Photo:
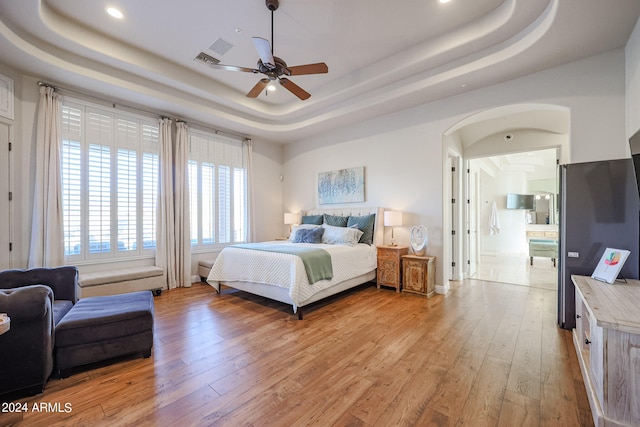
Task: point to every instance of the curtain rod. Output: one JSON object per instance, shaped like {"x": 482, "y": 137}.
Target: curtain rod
{"x": 114, "y": 104}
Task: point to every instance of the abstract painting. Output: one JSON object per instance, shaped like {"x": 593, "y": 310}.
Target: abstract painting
{"x": 341, "y": 186}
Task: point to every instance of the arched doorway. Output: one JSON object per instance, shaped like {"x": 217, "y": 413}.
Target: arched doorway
{"x": 504, "y": 131}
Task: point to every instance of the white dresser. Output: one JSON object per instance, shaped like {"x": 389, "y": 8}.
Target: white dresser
{"x": 607, "y": 341}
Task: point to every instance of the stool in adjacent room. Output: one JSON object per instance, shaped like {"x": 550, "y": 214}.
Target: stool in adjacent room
{"x": 543, "y": 248}
{"x": 104, "y": 327}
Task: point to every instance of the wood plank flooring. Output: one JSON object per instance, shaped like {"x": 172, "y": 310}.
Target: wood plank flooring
{"x": 486, "y": 354}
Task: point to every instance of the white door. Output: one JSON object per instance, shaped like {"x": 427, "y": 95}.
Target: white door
{"x": 5, "y": 189}
{"x": 473, "y": 198}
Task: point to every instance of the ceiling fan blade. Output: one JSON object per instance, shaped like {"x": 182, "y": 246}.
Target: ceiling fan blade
{"x": 264, "y": 51}
{"x": 258, "y": 88}
{"x": 234, "y": 68}
{"x": 299, "y": 70}
{"x": 294, "y": 89}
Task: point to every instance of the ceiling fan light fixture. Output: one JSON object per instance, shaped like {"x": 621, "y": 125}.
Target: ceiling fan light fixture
{"x": 272, "y": 67}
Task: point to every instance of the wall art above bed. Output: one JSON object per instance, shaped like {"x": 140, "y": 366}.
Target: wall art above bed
{"x": 341, "y": 186}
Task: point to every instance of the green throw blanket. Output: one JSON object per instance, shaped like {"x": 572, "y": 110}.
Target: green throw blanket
{"x": 317, "y": 262}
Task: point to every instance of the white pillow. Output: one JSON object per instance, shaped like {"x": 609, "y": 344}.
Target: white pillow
{"x": 300, "y": 227}
{"x": 340, "y": 235}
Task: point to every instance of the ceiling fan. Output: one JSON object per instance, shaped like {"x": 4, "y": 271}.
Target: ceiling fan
{"x": 275, "y": 68}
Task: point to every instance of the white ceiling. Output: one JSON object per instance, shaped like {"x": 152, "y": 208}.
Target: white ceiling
{"x": 536, "y": 165}
{"x": 382, "y": 56}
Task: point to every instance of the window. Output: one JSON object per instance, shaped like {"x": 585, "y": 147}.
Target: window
{"x": 109, "y": 182}
{"x": 217, "y": 190}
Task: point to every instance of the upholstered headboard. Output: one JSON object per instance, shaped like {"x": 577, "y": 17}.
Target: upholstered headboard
{"x": 378, "y": 228}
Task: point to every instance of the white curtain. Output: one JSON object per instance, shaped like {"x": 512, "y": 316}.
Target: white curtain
{"x": 181, "y": 209}
{"x": 248, "y": 160}
{"x": 47, "y": 240}
{"x": 165, "y": 242}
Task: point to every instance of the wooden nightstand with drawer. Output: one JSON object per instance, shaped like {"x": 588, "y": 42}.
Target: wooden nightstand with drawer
{"x": 418, "y": 274}
{"x": 390, "y": 266}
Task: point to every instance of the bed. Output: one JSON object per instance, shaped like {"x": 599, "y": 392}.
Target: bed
{"x": 284, "y": 277}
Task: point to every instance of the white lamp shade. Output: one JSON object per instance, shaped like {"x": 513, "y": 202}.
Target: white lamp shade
{"x": 392, "y": 218}
{"x": 291, "y": 218}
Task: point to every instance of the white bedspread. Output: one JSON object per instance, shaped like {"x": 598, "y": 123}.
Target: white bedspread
{"x": 287, "y": 271}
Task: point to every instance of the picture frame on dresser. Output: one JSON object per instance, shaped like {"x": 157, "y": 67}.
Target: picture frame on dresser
{"x": 610, "y": 264}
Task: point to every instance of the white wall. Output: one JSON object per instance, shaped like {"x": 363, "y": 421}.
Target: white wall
{"x": 632, "y": 81}
{"x": 395, "y": 155}
{"x": 511, "y": 238}
{"x": 403, "y": 153}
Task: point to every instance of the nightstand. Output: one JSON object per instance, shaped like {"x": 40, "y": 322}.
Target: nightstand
{"x": 390, "y": 266}
{"x": 418, "y": 274}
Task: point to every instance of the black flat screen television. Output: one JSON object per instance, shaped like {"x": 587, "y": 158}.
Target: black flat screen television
{"x": 520, "y": 201}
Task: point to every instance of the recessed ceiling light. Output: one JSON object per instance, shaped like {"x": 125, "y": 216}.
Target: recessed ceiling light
{"x": 444, "y": 1}
{"x": 115, "y": 12}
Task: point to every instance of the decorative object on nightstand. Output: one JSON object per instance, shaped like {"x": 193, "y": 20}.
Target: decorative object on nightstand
{"x": 290, "y": 219}
{"x": 418, "y": 274}
{"x": 392, "y": 219}
{"x": 419, "y": 239}
{"x": 390, "y": 266}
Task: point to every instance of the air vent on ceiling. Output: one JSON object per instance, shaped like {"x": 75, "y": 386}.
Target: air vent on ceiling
{"x": 206, "y": 59}
{"x": 221, "y": 46}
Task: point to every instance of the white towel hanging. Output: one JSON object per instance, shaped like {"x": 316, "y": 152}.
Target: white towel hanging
{"x": 494, "y": 221}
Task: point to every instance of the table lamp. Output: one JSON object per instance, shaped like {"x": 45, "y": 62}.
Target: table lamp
{"x": 291, "y": 218}
{"x": 392, "y": 219}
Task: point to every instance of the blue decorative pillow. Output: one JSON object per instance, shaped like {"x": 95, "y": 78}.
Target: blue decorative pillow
{"x": 364, "y": 223}
{"x": 312, "y": 219}
{"x": 309, "y": 235}
{"x": 336, "y": 221}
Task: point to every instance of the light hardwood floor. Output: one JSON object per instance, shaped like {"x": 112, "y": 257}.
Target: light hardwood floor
{"x": 517, "y": 270}
{"x": 486, "y": 354}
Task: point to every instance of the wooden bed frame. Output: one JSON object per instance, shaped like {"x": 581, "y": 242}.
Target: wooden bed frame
{"x": 282, "y": 294}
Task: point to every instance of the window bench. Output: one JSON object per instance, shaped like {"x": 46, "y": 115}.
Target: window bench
{"x": 204, "y": 268}
{"x": 121, "y": 281}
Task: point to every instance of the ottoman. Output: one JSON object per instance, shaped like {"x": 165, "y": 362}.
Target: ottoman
{"x": 103, "y": 327}
{"x": 543, "y": 248}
